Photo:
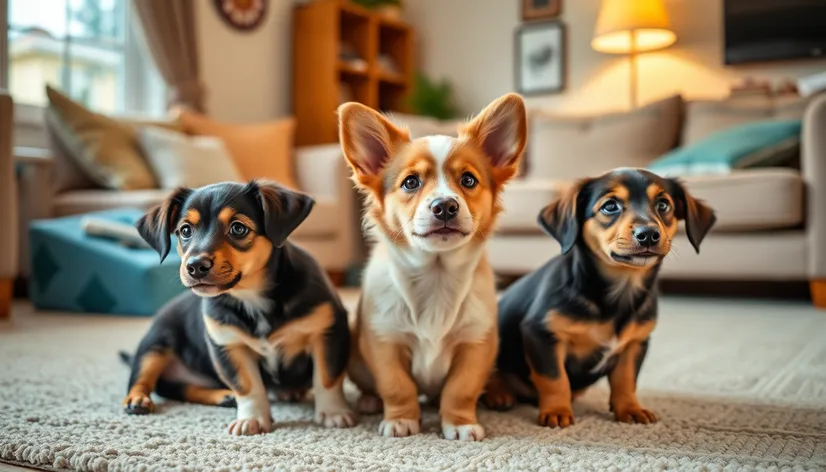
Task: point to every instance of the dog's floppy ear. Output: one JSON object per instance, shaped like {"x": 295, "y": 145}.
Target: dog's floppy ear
{"x": 156, "y": 226}
{"x": 367, "y": 140}
{"x": 561, "y": 217}
{"x": 284, "y": 210}
{"x": 501, "y": 131}
{"x": 699, "y": 218}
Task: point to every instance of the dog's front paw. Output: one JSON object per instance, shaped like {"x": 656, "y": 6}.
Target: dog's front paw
{"x": 250, "y": 426}
{"x": 465, "y": 432}
{"x": 138, "y": 404}
{"x": 499, "y": 400}
{"x": 399, "y": 428}
{"x": 634, "y": 413}
{"x": 560, "y": 416}
{"x": 369, "y": 404}
{"x": 336, "y": 418}
{"x": 291, "y": 396}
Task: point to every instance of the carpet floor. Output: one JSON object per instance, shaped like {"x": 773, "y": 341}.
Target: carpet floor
{"x": 737, "y": 385}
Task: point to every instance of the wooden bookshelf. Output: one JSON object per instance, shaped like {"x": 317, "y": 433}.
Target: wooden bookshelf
{"x": 322, "y": 79}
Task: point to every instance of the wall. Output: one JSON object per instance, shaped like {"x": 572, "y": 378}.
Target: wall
{"x": 247, "y": 75}
{"x": 471, "y": 42}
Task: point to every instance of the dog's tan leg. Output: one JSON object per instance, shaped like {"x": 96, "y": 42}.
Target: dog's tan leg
{"x": 152, "y": 365}
{"x": 470, "y": 369}
{"x": 554, "y": 393}
{"x": 498, "y": 396}
{"x": 238, "y": 367}
{"x": 331, "y": 409}
{"x": 6, "y": 292}
{"x": 209, "y": 396}
{"x": 390, "y": 364}
{"x": 623, "y": 380}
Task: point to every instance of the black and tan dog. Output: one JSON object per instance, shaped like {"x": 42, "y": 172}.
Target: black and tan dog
{"x": 589, "y": 312}
{"x": 260, "y": 317}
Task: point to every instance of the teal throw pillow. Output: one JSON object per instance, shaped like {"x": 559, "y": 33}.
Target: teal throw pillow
{"x": 758, "y": 144}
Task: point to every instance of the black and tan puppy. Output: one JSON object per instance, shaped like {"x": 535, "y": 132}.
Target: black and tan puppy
{"x": 261, "y": 316}
{"x": 589, "y": 312}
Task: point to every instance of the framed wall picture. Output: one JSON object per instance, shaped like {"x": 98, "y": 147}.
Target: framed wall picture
{"x": 540, "y": 59}
{"x": 539, "y": 9}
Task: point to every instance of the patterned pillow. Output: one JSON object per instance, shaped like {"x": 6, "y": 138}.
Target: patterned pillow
{"x": 105, "y": 149}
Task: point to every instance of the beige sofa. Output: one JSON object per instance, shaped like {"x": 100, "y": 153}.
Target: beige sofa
{"x": 8, "y": 207}
{"x": 330, "y": 233}
{"x": 771, "y": 221}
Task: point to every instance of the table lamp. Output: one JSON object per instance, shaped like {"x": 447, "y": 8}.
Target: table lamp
{"x": 631, "y": 27}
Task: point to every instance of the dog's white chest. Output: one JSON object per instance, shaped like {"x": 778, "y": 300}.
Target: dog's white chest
{"x": 432, "y": 315}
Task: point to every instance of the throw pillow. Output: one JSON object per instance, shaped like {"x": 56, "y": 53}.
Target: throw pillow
{"x": 704, "y": 118}
{"x": 261, "y": 150}
{"x": 573, "y": 147}
{"x": 105, "y": 149}
{"x": 179, "y": 160}
{"x": 758, "y": 144}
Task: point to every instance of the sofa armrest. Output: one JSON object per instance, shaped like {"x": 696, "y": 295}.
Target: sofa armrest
{"x": 813, "y": 165}
{"x": 8, "y": 198}
{"x": 321, "y": 170}
{"x": 35, "y": 191}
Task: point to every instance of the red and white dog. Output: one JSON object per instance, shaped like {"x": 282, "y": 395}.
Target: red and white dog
{"x": 426, "y": 321}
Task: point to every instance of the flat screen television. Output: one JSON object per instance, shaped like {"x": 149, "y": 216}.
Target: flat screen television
{"x": 770, "y": 30}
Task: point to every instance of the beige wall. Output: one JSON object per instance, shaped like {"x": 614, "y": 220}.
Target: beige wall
{"x": 471, "y": 42}
{"x": 247, "y": 75}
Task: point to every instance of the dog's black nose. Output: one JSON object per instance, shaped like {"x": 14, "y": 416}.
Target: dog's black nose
{"x": 198, "y": 266}
{"x": 445, "y": 208}
{"x": 647, "y": 236}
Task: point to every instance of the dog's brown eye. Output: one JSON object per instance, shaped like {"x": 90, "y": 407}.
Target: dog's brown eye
{"x": 468, "y": 180}
{"x": 663, "y": 206}
{"x": 611, "y": 207}
{"x": 238, "y": 230}
{"x": 411, "y": 183}
{"x": 185, "y": 231}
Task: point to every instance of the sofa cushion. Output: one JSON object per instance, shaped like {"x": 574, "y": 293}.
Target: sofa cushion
{"x": 523, "y": 199}
{"x": 322, "y": 222}
{"x": 260, "y": 150}
{"x": 751, "y": 200}
{"x": 747, "y": 200}
{"x": 104, "y": 148}
{"x": 568, "y": 148}
{"x": 179, "y": 160}
{"x": 703, "y": 118}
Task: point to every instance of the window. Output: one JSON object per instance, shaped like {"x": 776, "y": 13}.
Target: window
{"x": 87, "y": 48}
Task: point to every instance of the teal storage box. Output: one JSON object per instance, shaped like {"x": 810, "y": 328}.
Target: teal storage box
{"x": 72, "y": 271}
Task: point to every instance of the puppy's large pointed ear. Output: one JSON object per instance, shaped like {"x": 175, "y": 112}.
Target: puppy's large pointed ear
{"x": 699, "y": 218}
{"x": 561, "y": 218}
{"x": 367, "y": 140}
{"x": 501, "y": 131}
{"x": 284, "y": 210}
{"x": 156, "y": 226}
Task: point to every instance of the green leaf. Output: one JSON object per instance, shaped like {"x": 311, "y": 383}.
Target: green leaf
{"x": 429, "y": 98}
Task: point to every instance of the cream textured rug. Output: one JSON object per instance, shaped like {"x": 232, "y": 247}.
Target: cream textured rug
{"x": 737, "y": 385}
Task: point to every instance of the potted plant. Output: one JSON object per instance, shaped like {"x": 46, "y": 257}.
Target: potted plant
{"x": 431, "y": 98}
{"x": 388, "y": 8}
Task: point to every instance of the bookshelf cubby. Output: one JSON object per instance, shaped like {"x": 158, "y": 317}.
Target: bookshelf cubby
{"x": 343, "y": 52}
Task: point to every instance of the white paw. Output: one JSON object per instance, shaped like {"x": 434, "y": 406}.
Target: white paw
{"x": 250, "y": 426}
{"x": 336, "y": 418}
{"x": 465, "y": 432}
{"x": 399, "y": 428}
{"x": 369, "y": 404}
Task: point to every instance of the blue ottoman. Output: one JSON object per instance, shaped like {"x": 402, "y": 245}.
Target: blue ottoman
{"x": 72, "y": 271}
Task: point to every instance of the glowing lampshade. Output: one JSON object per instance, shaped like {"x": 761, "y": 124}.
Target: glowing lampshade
{"x": 632, "y": 26}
